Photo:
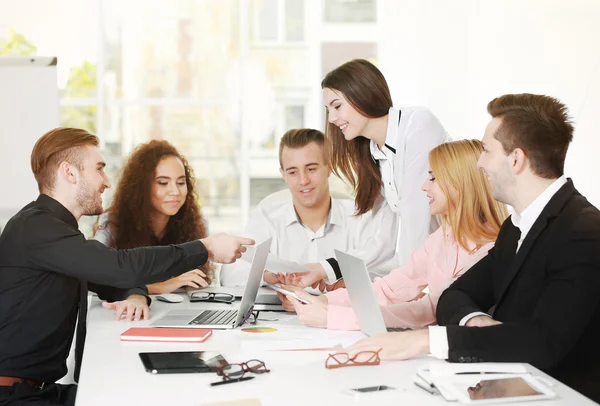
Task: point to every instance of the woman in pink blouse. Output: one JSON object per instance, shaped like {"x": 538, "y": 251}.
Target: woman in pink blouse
{"x": 460, "y": 193}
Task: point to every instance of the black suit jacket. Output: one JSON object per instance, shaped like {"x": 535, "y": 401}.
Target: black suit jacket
{"x": 547, "y": 295}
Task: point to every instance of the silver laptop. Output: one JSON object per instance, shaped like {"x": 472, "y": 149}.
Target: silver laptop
{"x": 223, "y": 319}
{"x": 362, "y": 297}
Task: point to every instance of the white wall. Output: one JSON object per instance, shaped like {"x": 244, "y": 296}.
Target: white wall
{"x": 28, "y": 108}
{"x": 455, "y": 56}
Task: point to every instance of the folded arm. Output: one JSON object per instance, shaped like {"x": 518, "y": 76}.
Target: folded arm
{"x": 571, "y": 294}
{"x": 471, "y": 293}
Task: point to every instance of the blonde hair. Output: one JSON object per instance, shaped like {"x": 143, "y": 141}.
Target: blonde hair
{"x": 473, "y": 214}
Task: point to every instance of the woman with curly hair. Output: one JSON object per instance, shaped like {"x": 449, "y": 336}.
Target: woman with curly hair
{"x": 155, "y": 204}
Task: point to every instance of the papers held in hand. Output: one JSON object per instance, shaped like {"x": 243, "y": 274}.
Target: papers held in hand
{"x": 274, "y": 263}
{"x": 286, "y": 292}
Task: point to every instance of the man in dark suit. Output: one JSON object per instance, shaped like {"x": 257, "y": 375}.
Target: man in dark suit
{"x": 535, "y": 297}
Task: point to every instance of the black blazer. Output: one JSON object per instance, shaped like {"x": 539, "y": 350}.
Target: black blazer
{"x": 547, "y": 295}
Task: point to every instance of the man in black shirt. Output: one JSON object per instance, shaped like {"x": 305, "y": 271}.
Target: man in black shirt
{"x": 47, "y": 265}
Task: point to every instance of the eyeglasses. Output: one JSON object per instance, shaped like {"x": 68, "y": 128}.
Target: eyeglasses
{"x": 341, "y": 359}
{"x": 235, "y": 372}
{"x": 212, "y": 297}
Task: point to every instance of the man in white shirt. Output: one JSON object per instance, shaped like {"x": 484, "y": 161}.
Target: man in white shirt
{"x": 307, "y": 228}
{"x": 536, "y": 296}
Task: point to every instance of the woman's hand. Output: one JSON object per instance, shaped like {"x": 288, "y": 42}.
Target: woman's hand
{"x": 313, "y": 314}
{"x": 194, "y": 278}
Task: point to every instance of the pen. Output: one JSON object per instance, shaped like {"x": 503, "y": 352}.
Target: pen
{"x": 431, "y": 389}
{"x": 244, "y": 378}
{"x": 481, "y": 373}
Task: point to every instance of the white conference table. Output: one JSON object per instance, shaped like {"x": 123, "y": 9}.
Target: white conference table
{"x": 112, "y": 373}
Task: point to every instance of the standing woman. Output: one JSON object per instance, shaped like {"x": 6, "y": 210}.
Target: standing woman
{"x": 155, "y": 204}
{"x": 380, "y": 149}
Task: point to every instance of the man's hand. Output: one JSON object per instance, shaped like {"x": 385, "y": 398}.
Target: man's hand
{"x": 194, "y": 278}
{"x": 312, "y": 277}
{"x": 135, "y": 307}
{"x": 482, "y": 321}
{"x": 224, "y": 248}
{"x": 394, "y": 346}
{"x": 272, "y": 278}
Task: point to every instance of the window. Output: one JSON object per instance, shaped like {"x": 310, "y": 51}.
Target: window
{"x": 278, "y": 22}
{"x": 137, "y": 70}
{"x": 350, "y": 11}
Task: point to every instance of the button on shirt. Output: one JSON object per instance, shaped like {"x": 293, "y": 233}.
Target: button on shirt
{"x": 404, "y": 165}
{"x": 370, "y": 237}
{"x": 44, "y": 259}
{"x": 438, "y": 339}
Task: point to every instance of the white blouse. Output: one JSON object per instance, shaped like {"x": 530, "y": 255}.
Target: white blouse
{"x": 404, "y": 163}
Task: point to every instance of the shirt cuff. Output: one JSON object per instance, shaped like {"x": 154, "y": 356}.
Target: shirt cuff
{"x": 438, "y": 342}
{"x": 336, "y": 268}
{"x": 464, "y": 320}
{"x": 328, "y": 271}
{"x": 341, "y": 318}
{"x": 142, "y": 290}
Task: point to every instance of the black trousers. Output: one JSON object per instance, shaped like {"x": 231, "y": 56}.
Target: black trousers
{"x": 53, "y": 394}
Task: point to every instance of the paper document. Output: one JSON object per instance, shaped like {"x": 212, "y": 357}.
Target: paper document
{"x": 276, "y": 264}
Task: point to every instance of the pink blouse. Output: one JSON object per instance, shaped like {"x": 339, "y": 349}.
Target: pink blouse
{"x": 437, "y": 263}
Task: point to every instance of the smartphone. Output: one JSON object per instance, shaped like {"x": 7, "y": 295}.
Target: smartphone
{"x": 368, "y": 390}
{"x": 286, "y": 292}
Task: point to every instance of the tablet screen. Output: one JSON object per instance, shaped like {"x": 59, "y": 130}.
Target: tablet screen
{"x": 501, "y": 388}
{"x": 190, "y": 361}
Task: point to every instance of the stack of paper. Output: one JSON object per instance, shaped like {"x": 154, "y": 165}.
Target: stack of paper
{"x": 483, "y": 382}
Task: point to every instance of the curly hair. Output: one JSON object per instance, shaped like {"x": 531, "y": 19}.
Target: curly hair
{"x": 128, "y": 217}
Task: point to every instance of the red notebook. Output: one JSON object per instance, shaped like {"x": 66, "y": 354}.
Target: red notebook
{"x": 183, "y": 335}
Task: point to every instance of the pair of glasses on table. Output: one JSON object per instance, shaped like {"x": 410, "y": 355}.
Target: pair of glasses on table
{"x": 212, "y": 297}
{"x": 363, "y": 358}
{"x": 235, "y": 372}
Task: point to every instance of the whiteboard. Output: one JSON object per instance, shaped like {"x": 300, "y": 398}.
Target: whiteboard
{"x": 28, "y": 109}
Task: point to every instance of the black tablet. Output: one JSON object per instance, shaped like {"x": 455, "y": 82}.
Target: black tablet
{"x": 182, "y": 362}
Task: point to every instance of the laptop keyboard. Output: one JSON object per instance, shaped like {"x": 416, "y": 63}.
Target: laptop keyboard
{"x": 215, "y": 317}
{"x": 392, "y": 329}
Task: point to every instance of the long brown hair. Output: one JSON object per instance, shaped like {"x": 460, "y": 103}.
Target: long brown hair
{"x": 473, "y": 213}
{"x": 365, "y": 88}
{"x": 129, "y": 214}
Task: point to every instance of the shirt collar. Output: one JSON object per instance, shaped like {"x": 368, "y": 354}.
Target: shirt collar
{"x": 334, "y": 217}
{"x": 525, "y": 220}
{"x": 291, "y": 216}
{"x": 58, "y": 210}
{"x": 390, "y": 138}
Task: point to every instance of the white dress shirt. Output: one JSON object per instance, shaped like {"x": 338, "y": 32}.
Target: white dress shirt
{"x": 370, "y": 237}
{"x": 438, "y": 339}
{"x": 404, "y": 163}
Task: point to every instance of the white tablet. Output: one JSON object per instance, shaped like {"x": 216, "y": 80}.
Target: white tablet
{"x": 502, "y": 388}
